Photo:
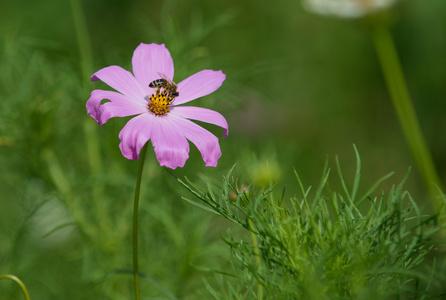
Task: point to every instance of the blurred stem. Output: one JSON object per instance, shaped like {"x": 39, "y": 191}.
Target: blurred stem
{"x": 19, "y": 282}
{"x": 257, "y": 257}
{"x": 396, "y": 84}
{"x": 91, "y": 136}
{"x": 142, "y": 156}
{"x": 83, "y": 41}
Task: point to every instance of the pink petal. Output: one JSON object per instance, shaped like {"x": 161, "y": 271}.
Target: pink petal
{"x": 171, "y": 148}
{"x": 198, "y": 85}
{"x": 120, "y": 106}
{"x": 203, "y": 115}
{"x": 206, "y": 142}
{"x": 135, "y": 134}
{"x": 150, "y": 59}
{"x": 121, "y": 80}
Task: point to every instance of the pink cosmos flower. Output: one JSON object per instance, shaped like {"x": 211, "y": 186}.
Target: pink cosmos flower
{"x": 159, "y": 116}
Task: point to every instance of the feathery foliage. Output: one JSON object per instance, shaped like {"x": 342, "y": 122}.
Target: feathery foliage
{"x": 325, "y": 244}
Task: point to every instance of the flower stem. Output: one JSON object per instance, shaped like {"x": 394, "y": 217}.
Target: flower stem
{"x": 142, "y": 156}
{"x": 19, "y": 282}
{"x": 396, "y": 84}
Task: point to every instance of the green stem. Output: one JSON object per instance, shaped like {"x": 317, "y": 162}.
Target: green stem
{"x": 406, "y": 113}
{"x": 19, "y": 282}
{"x": 142, "y": 156}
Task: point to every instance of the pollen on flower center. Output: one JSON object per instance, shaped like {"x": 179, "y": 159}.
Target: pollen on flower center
{"x": 159, "y": 103}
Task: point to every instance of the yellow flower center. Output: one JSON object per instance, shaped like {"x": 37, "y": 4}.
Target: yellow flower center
{"x": 159, "y": 103}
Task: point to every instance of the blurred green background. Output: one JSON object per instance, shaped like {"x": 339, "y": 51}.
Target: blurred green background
{"x": 300, "y": 87}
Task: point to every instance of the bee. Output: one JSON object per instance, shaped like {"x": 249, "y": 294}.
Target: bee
{"x": 168, "y": 85}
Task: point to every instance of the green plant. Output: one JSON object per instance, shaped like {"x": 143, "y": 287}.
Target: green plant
{"x": 325, "y": 244}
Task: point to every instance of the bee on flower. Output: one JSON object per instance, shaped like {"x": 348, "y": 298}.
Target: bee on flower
{"x": 156, "y": 101}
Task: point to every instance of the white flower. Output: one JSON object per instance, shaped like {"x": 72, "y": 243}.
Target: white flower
{"x": 347, "y": 8}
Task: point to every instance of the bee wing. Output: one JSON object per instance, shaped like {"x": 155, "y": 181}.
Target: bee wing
{"x": 163, "y": 76}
